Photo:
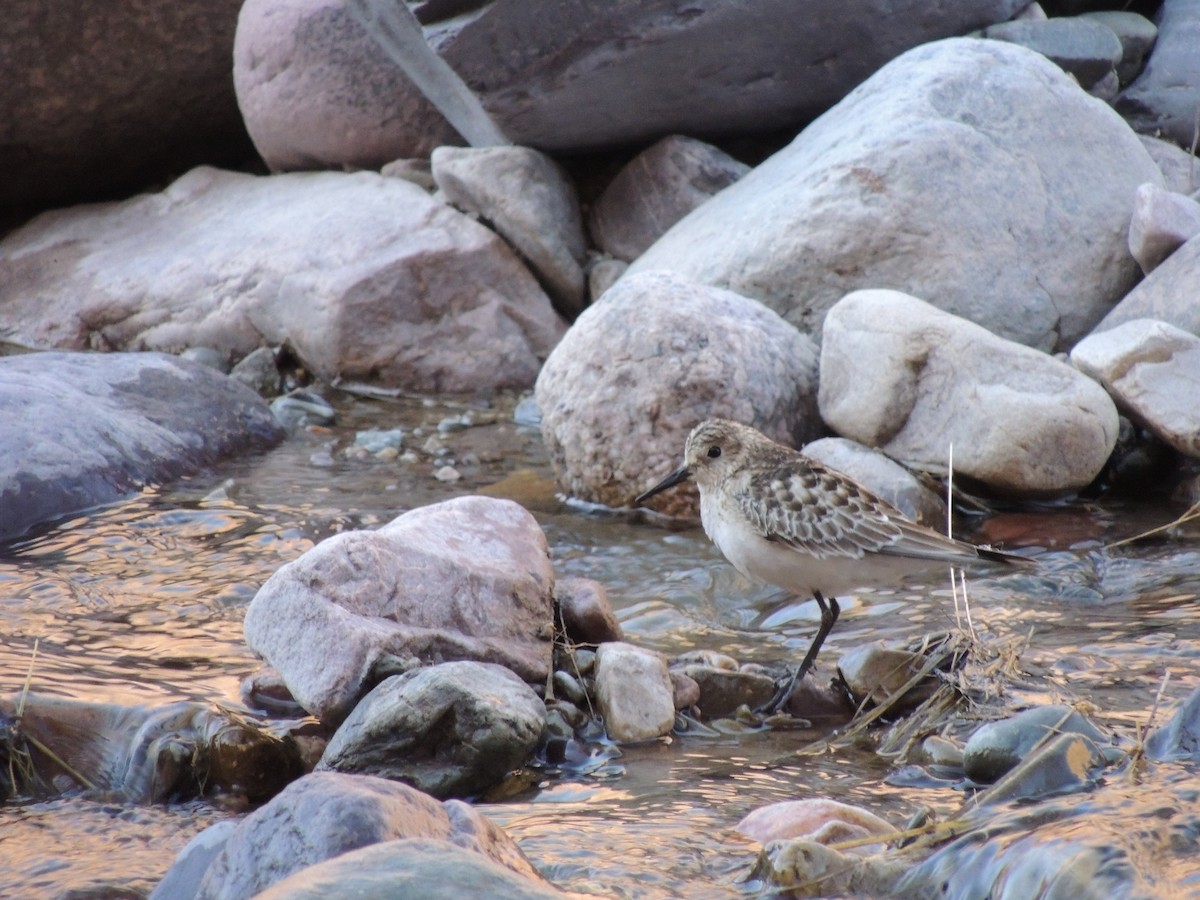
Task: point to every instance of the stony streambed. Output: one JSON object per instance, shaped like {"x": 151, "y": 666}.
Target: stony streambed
{"x": 142, "y": 602}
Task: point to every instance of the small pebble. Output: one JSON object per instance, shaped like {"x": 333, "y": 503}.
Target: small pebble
{"x": 447, "y": 473}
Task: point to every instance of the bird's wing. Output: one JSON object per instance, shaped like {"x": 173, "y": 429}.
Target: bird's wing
{"x": 826, "y": 514}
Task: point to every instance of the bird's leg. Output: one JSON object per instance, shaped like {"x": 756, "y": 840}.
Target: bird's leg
{"x": 829, "y": 615}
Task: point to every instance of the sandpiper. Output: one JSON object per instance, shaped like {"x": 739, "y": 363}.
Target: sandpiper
{"x": 786, "y": 519}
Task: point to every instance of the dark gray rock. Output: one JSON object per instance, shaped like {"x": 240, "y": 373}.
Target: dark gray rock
{"x": 1136, "y": 34}
{"x": 1067, "y": 762}
{"x": 450, "y": 730}
{"x": 560, "y": 76}
{"x": 412, "y": 869}
{"x": 1085, "y": 48}
{"x": 1163, "y": 98}
{"x": 103, "y": 100}
{"x": 997, "y": 747}
{"x": 81, "y": 429}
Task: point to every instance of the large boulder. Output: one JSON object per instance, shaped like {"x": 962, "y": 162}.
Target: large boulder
{"x": 654, "y": 357}
{"x": 316, "y": 92}
{"x": 469, "y": 578}
{"x": 104, "y": 99}
{"x": 80, "y": 429}
{"x": 974, "y": 173}
{"x": 365, "y": 276}
{"x": 903, "y": 376}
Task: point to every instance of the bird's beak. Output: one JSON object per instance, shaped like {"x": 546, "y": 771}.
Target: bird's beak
{"x": 683, "y": 473}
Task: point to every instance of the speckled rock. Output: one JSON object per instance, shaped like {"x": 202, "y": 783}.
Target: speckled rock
{"x": 657, "y": 355}
{"x": 1152, "y": 371}
{"x": 898, "y": 374}
{"x": 1020, "y": 226}
{"x": 468, "y": 578}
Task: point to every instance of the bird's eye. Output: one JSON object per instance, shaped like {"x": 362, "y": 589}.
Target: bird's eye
{"x": 714, "y": 452}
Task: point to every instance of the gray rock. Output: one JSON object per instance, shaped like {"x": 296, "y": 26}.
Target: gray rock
{"x": 1163, "y": 221}
{"x": 527, "y": 198}
{"x": 656, "y": 189}
{"x": 97, "y": 106}
{"x": 999, "y": 747}
{"x": 722, "y": 691}
{"x": 1136, "y": 34}
{"x": 1085, "y": 48}
{"x": 410, "y": 869}
{"x": 898, "y": 374}
{"x": 638, "y": 370}
{"x": 1152, "y": 371}
{"x": 364, "y": 276}
{"x": 81, "y": 429}
{"x": 450, "y": 730}
{"x": 259, "y": 372}
{"x": 587, "y": 615}
{"x": 207, "y": 356}
{"x": 559, "y": 76}
{"x": 882, "y": 476}
{"x": 1167, "y": 294}
{"x": 635, "y": 693}
{"x": 1180, "y": 170}
{"x": 182, "y": 880}
{"x": 326, "y": 814}
{"x": 975, "y": 173}
{"x": 1067, "y": 762}
{"x": 1162, "y": 101}
{"x": 469, "y": 578}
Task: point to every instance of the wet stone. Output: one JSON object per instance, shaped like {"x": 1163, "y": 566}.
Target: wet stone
{"x": 587, "y": 615}
{"x": 878, "y": 672}
{"x": 723, "y": 691}
{"x": 634, "y": 692}
{"x": 450, "y": 730}
{"x": 997, "y": 747}
{"x": 1066, "y": 763}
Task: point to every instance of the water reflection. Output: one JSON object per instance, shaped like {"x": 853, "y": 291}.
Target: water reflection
{"x": 142, "y": 602}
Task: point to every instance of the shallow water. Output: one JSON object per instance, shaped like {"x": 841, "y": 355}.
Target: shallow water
{"x": 141, "y": 602}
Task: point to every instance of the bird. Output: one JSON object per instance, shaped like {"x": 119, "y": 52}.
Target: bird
{"x": 784, "y": 518}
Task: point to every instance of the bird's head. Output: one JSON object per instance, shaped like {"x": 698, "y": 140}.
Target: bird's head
{"x": 712, "y": 451}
